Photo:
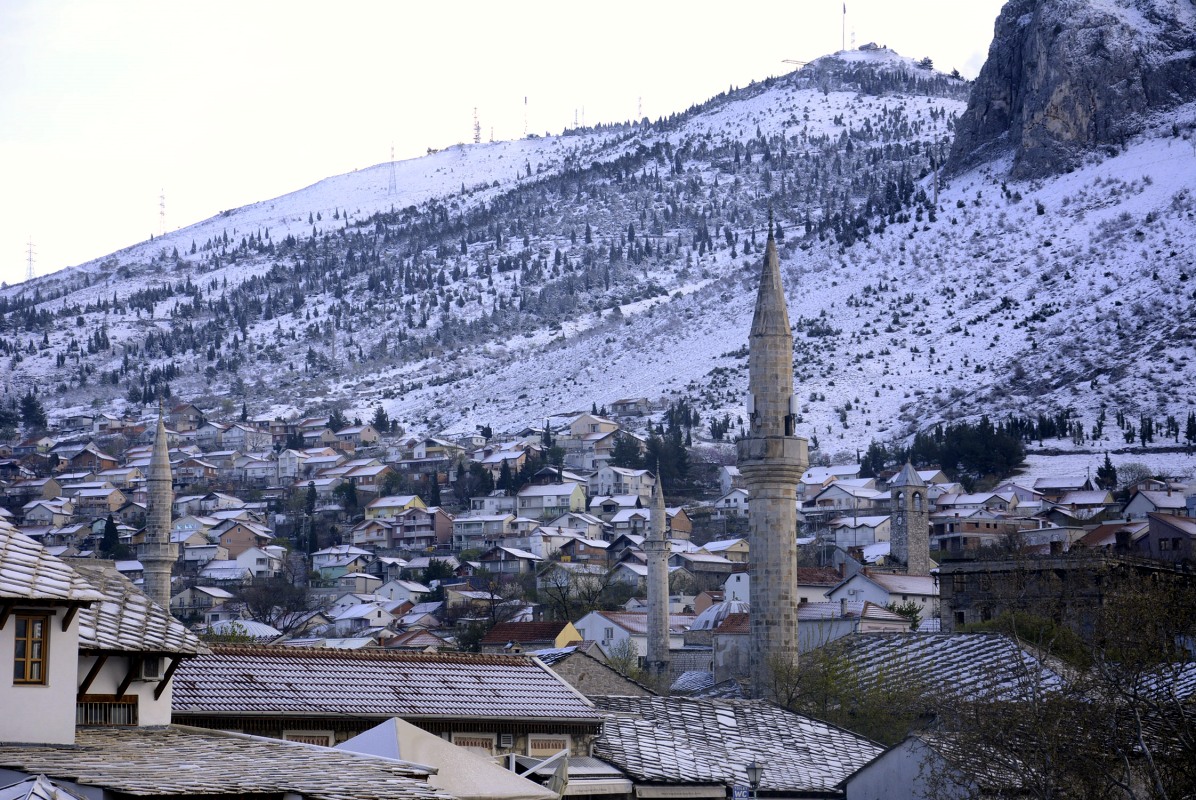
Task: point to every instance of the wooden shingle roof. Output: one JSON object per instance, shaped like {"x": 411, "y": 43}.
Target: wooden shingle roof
{"x": 372, "y": 683}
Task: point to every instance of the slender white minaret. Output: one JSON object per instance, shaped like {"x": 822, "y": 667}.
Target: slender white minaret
{"x": 156, "y": 553}
{"x": 656, "y": 548}
{"x": 772, "y": 460}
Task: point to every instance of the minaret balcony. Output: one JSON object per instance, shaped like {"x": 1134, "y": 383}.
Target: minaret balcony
{"x": 774, "y": 449}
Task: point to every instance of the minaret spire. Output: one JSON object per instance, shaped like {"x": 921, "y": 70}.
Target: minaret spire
{"x": 156, "y": 552}
{"x": 772, "y": 460}
{"x": 656, "y": 549}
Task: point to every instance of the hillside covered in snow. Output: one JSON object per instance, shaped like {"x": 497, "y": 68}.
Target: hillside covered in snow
{"x": 497, "y": 284}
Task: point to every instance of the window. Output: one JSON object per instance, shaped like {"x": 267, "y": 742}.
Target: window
{"x": 959, "y": 618}
{"x": 322, "y": 738}
{"x": 482, "y": 742}
{"x": 106, "y": 710}
{"x": 32, "y": 649}
{"x": 608, "y": 634}
{"x": 959, "y": 583}
{"x": 541, "y": 746}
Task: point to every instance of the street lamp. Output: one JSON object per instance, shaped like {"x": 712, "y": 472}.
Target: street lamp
{"x": 754, "y": 771}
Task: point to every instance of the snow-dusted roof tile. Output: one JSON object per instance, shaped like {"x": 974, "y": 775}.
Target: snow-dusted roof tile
{"x": 28, "y": 572}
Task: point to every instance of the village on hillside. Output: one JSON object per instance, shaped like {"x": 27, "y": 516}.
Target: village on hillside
{"x": 526, "y": 611}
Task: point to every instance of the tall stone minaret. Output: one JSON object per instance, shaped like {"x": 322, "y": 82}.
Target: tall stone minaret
{"x": 656, "y": 548}
{"x": 157, "y": 554}
{"x": 909, "y": 526}
{"x": 772, "y": 460}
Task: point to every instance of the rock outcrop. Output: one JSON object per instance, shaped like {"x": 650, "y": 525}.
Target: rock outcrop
{"x": 1065, "y": 76}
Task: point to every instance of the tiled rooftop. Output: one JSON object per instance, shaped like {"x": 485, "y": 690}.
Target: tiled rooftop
{"x": 685, "y": 740}
{"x": 266, "y": 680}
{"x": 126, "y": 620}
{"x": 972, "y": 665}
{"x": 28, "y": 572}
{"x": 179, "y": 762}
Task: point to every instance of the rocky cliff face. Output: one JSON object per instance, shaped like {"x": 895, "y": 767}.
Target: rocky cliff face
{"x": 1064, "y": 76}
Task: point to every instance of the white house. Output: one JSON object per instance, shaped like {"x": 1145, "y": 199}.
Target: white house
{"x": 611, "y": 628}
{"x": 733, "y": 504}
{"x": 882, "y": 588}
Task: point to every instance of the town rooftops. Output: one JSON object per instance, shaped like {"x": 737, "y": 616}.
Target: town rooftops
{"x": 28, "y": 572}
{"x": 127, "y": 620}
{"x": 679, "y": 740}
{"x": 523, "y": 632}
{"x": 976, "y": 666}
{"x": 251, "y": 681}
{"x": 146, "y": 762}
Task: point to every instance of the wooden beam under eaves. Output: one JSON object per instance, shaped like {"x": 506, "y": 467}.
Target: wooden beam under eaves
{"x": 92, "y": 673}
{"x": 161, "y": 687}
{"x": 134, "y": 668}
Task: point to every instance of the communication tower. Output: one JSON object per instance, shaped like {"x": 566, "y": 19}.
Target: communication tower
{"x": 162, "y": 213}
{"x": 393, "y": 186}
{"x": 477, "y": 127}
{"x": 29, "y": 254}
{"x": 525, "y": 116}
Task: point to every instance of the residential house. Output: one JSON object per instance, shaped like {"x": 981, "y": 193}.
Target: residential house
{"x": 734, "y": 550}
{"x": 237, "y": 536}
{"x": 509, "y": 561}
{"x": 185, "y": 417}
{"x": 612, "y": 628}
{"x": 732, "y": 504}
{"x": 729, "y": 478}
{"x": 857, "y": 531}
{"x": 400, "y": 591}
{"x": 262, "y": 562}
{"x": 883, "y": 588}
{"x": 392, "y": 505}
{"x": 1147, "y": 502}
{"x": 195, "y": 602}
{"x": 369, "y": 478}
{"x": 608, "y": 480}
{"x": 631, "y": 407}
{"x": 1168, "y": 538}
{"x": 551, "y": 500}
{"x": 515, "y": 637}
{"x": 475, "y": 530}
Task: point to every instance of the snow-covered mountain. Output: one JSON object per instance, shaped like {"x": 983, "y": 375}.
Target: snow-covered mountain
{"x": 502, "y": 283}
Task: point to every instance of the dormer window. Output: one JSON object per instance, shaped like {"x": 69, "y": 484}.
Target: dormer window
{"x": 32, "y": 649}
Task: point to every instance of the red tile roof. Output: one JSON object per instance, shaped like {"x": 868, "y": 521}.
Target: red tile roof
{"x": 522, "y": 632}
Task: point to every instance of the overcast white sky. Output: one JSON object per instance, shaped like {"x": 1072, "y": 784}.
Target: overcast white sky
{"x": 103, "y": 106}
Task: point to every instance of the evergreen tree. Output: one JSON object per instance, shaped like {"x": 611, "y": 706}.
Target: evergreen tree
{"x": 111, "y": 539}
{"x": 337, "y": 420}
{"x": 32, "y": 413}
{"x": 1190, "y": 428}
{"x": 1106, "y": 475}
{"x": 381, "y": 420}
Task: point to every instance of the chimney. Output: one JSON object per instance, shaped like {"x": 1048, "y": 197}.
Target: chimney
{"x": 843, "y": 607}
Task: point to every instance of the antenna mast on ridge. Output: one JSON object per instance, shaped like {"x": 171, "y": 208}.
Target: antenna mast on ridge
{"x": 162, "y": 213}
{"x": 525, "y": 116}
{"x": 477, "y": 127}
{"x": 393, "y": 186}
{"x": 29, "y": 253}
